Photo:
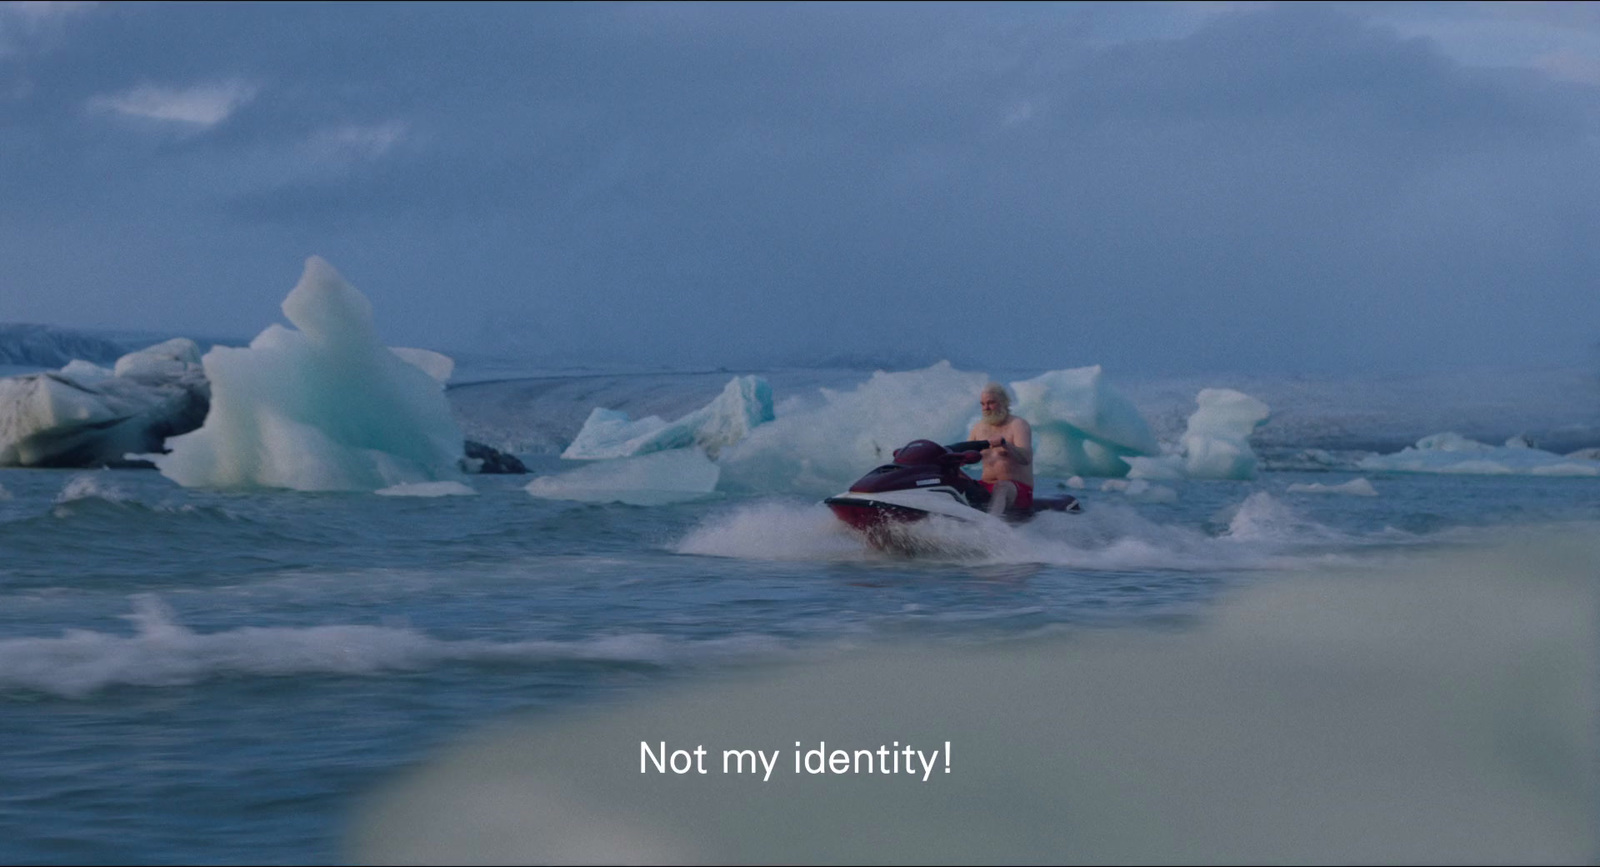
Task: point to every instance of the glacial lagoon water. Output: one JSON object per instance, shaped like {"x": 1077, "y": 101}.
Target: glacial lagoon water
{"x": 205, "y": 676}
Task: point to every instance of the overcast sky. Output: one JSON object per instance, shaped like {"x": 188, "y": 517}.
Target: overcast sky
{"x": 1152, "y": 187}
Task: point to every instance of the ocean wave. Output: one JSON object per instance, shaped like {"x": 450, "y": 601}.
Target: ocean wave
{"x": 162, "y": 652}
{"x": 96, "y": 498}
{"x": 89, "y": 486}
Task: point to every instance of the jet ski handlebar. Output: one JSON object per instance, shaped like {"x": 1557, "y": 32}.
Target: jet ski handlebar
{"x": 969, "y": 452}
{"x": 928, "y": 452}
{"x": 971, "y": 446}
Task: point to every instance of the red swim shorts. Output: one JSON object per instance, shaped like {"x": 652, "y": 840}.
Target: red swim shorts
{"x": 1024, "y": 494}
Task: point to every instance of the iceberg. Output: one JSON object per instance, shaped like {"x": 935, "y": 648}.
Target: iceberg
{"x": 818, "y": 445}
{"x": 86, "y": 372}
{"x": 654, "y": 479}
{"x": 1216, "y": 444}
{"x": 326, "y": 407}
{"x": 85, "y": 415}
{"x": 745, "y": 402}
{"x": 1450, "y": 452}
{"x": 1081, "y": 426}
{"x": 173, "y": 360}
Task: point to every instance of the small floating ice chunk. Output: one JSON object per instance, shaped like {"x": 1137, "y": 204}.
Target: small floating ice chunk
{"x": 654, "y": 479}
{"x": 1140, "y": 490}
{"x": 1359, "y": 487}
{"x": 745, "y": 403}
{"x": 1454, "y": 454}
{"x": 1216, "y": 444}
{"x": 428, "y": 489}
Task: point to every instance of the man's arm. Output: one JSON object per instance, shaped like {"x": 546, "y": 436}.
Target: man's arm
{"x": 1021, "y": 442}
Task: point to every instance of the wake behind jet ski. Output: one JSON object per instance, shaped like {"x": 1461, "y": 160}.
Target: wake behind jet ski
{"x": 925, "y": 479}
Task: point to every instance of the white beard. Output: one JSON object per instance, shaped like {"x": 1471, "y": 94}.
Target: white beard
{"x": 996, "y": 418}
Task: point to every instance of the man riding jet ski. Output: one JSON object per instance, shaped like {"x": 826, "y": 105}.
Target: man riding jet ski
{"x": 925, "y": 479}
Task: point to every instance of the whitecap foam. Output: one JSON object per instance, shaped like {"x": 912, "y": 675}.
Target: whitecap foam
{"x": 789, "y": 531}
{"x": 88, "y": 486}
{"x": 774, "y": 531}
{"x": 1117, "y": 538}
{"x": 1262, "y": 518}
{"x": 163, "y": 653}
{"x": 1107, "y": 537}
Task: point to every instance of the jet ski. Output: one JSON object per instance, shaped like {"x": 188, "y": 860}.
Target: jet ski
{"x": 923, "y": 479}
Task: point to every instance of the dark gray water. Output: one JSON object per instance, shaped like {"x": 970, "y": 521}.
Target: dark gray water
{"x": 191, "y": 676}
